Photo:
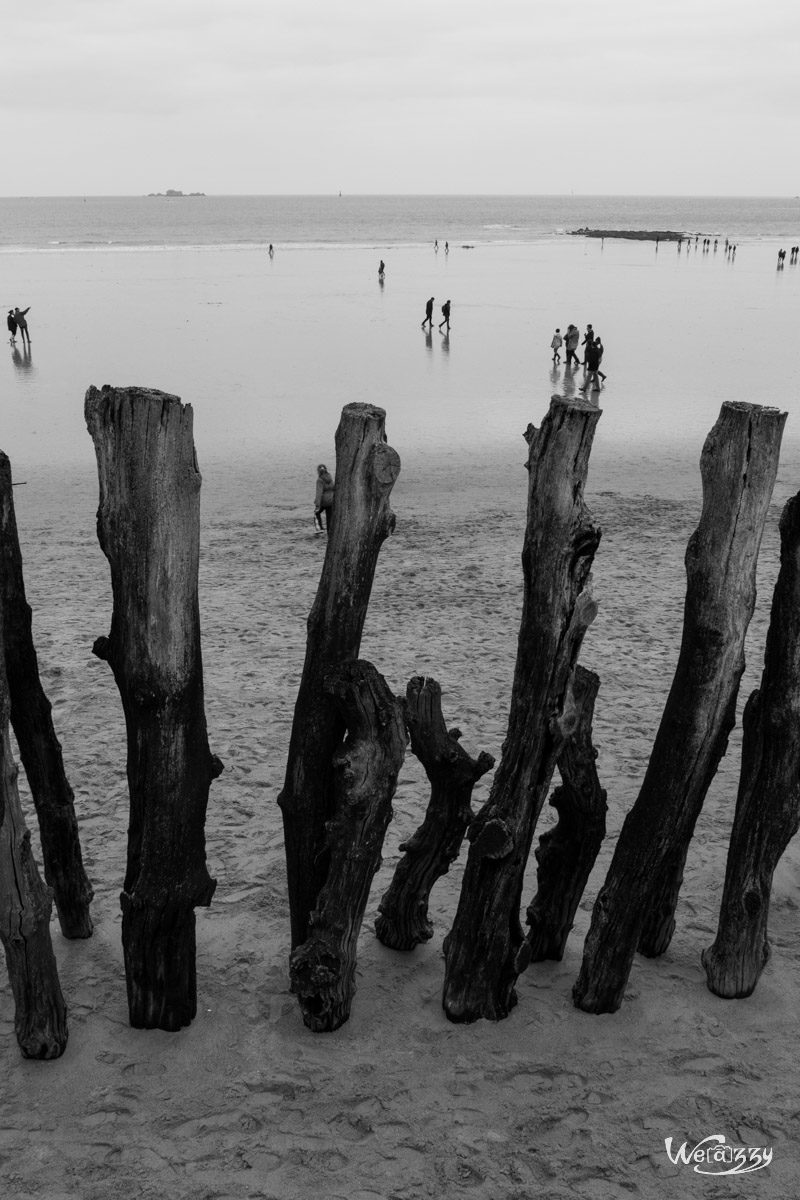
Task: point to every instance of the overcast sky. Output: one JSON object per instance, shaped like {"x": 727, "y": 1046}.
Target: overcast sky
{"x": 695, "y": 97}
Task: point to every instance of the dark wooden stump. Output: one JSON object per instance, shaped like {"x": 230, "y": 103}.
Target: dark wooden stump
{"x": 768, "y": 804}
{"x": 567, "y": 853}
{"x": 636, "y": 904}
{"x": 485, "y": 950}
{"x": 403, "y": 921}
{"x": 366, "y": 469}
{"x": 40, "y": 1016}
{"x": 365, "y": 776}
{"x": 148, "y": 524}
{"x": 39, "y": 748}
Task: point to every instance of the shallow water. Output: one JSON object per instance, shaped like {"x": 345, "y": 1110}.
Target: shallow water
{"x": 267, "y": 352}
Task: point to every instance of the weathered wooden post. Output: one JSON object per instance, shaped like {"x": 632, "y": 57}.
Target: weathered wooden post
{"x": 567, "y": 852}
{"x": 486, "y": 950}
{"x": 768, "y": 804}
{"x": 39, "y": 747}
{"x": 40, "y": 1016}
{"x": 148, "y": 524}
{"x": 366, "y": 469}
{"x": 403, "y": 921}
{"x": 365, "y": 769}
{"x": 636, "y": 905}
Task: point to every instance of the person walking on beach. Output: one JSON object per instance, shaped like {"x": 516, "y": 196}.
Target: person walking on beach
{"x": 428, "y": 314}
{"x": 22, "y": 324}
{"x": 600, "y": 349}
{"x": 446, "y": 316}
{"x": 11, "y": 322}
{"x": 587, "y": 342}
{"x": 381, "y": 269}
{"x": 323, "y": 499}
{"x": 556, "y": 345}
{"x": 571, "y": 342}
{"x": 592, "y": 363}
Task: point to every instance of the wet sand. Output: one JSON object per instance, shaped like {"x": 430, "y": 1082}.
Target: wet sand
{"x": 398, "y": 1103}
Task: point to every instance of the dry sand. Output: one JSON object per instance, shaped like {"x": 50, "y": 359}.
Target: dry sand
{"x": 398, "y": 1103}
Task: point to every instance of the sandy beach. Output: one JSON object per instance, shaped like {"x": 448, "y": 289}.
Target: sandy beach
{"x": 398, "y": 1104}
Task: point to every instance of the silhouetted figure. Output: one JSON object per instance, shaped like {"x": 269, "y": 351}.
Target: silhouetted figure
{"x": 381, "y": 269}
{"x": 323, "y": 499}
{"x": 11, "y": 322}
{"x": 600, "y": 351}
{"x": 22, "y": 324}
{"x": 436, "y": 246}
{"x": 587, "y": 342}
{"x": 592, "y": 363}
{"x": 556, "y": 345}
{"x": 445, "y": 316}
{"x": 447, "y": 247}
{"x": 271, "y": 250}
{"x": 428, "y": 314}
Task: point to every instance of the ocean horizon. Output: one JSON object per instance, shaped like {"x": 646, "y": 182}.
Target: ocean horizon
{"x": 158, "y": 220}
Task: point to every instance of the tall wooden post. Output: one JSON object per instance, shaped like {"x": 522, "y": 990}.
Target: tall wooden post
{"x": 39, "y": 748}
{"x": 768, "y": 804}
{"x": 40, "y": 1017}
{"x": 636, "y": 905}
{"x": 148, "y": 524}
{"x": 366, "y": 469}
{"x": 485, "y": 950}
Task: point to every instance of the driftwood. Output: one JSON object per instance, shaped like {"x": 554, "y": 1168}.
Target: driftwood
{"x": 636, "y": 904}
{"x": 768, "y": 803}
{"x": 567, "y": 853}
{"x": 486, "y": 950}
{"x": 40, "y": 1018}
{"x": 366, "y": 469}
{"x": 39, "y": 747}
{"x": 365, "y": 776}
{"x": 403, "y": 921}
{"x": 148, "y": 525}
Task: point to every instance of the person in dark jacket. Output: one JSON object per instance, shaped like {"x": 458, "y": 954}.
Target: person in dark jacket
{"x": 592, "y": 364}
{"x": 428, "y": 314}
{"x": 11, "y": 322}
{"x": 323, "y": 499}
{"x": 22, "y": 324}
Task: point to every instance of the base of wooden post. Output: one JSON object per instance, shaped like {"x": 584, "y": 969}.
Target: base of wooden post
{"x": 159, "y": 949}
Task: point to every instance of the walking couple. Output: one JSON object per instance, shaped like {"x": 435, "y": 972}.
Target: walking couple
{"x": 16, "y": 321}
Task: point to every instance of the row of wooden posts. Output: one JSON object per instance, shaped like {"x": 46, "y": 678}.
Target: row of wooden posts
{"x": 350, "y": 733}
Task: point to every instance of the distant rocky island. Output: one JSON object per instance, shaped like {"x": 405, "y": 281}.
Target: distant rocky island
{"x": 639, "y": 235}
{"x": 173, "y": 192}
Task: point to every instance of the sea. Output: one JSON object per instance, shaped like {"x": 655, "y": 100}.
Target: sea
{"x": 162, "y": 221}
{"x": 179, "y": 293}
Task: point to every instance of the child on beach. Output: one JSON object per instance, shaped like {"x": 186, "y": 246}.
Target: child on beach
{"x": 556, "y": 345}
{"x": 445, "y": 316}
{"x": 323, "y": 499}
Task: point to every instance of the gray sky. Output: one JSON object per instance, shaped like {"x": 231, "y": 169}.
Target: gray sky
{"x": 697, "y": 97}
